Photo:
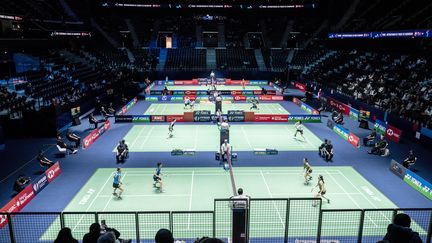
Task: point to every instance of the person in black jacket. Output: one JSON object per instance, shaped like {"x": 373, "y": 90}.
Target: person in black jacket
{"x": 21, "y": 183}
{"x": 65, "y": 236}
{"x": 93, "y": 120}
{"x": 62, "y": 144}
{"x": 400, "y": 232}
{"x": 73, "y": 138}
{"x": 43, "y": 160}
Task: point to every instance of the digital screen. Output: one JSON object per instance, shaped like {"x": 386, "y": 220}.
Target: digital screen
{"x": 382, "y": 34}
{"x": 75, "y": 112}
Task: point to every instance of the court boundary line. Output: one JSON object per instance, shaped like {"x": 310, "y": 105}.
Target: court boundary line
{"x": 94, "y": 199}
{"x": 358, "y": 206}
{"x": 271, "y": 196}
{"x": 190, "y": 198}
{"x": 364, "y": 196}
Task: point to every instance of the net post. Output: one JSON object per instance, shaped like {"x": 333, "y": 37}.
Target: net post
{"x": 319, "y": 222}
{"x": 214, "y": 222}
{"x": 96, "y": 217}
{"x": 361, "y": 225}
{"x": 429, "y": 234}
{"x": 137, "y": 227}
{"x": 171, "y": 223}
{"x": 286, "y": 220}
{"x": 62, "y": 223}
{"x": 11, "y": 231}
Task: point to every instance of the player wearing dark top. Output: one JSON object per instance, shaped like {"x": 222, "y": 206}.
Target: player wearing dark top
{"x": 410, "y": 160}
{"x": 43, "y": 161}
{"x": 73, "y": 138}
{"x": 157, "y": 177}
{"x": 93, "y": 120}
{"x": 62, "y": 144}
{"x": 21, "y": 183}
{"x": 328, "y": 151}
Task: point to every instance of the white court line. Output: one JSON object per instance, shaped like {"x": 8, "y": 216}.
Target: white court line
{"x": 190, "y": 198}
{"x": 150, "y": 195}
{"x": 367, "y": 199}
{"x": 106, "y": 205}
{"x": 271, "y": 195}
{"x": 343, "y": 189}
{"x": 147, "y": 137}
{"x": 308, "y": 193}
{"x": 196, "y": 137}
{"x": 247, "y": 139}
{"x": 138, "y": 136}
{"x": 91, "y": 203}
{"x": 289, "y": 135}
{"x": 222, "y": 174}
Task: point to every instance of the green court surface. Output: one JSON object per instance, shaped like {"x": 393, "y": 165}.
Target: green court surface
{"x": 154, "y": 138}
{"x": 218, "y": 87}
{"x": 178, "y": 109}
{"x": 194, "y": 189}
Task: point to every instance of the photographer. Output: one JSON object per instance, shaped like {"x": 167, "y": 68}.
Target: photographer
{"x": 21, "y": 183}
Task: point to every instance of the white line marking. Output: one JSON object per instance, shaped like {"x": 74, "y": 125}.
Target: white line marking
{"x": 147, "y": 137}
{"x": 91, "y": 203}
{"x": 190, "y": 198}
{"x": 343, "y": 189}
{"x": 138, "y": 136}
{"x": 150, "y": 195}
{"x": 247, "y": 139}
{"x": 367, "y": 199}
{"x": 271, "y": 195}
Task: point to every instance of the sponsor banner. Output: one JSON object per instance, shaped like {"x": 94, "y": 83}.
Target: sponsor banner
{"x": 202, "y": 113}
{"x": 304, "y": 118}
{"x": 239, "y": 98}
{"x": 156, "y": 92}
{"x": 257, "y": 92}
{"x": 354, "y": 114}
{"x": 270, "y": 97}
{"x": 341, "y": 131}
{"x": 271, "y": 92}
{"x": 128, "y": 106}
{"x": 177, "y": 98}
{"x": 397, "y": 169}
{"x": 393, "y": 133}
{"x": 380, "y": 127}
{"x": 418, "y": 183}
{"x": 426, "y": 132}
{"x": 270, "y": 118}
{"x": 258, "y": 82}
{"x": 248, "y": 92}
{"x": 53, "y": 171}
{"x": 157, "y": 118}
{"x": 183, "y": 82}
{"x": 235, "y": 113}
{"x": 178, "y": 118}
{"x": 95, "y": 134}
{"x": 191, "y": 97}
{"x": 300, "y": 86}
{"x": 141, "y": 118}
{"x": 237, "y": 82}
{"x": 202, "y": 118}
{"x": 236, "y": 92}
{"x": 123, "y": 118}
{"x": 189, "y": 92}
{"x": 308, "y": 108}
{"x": 40, "y": 183}
{"x": 151, "y": 98}
{"x": 341, "y": 107}
{"x": 236, "y": 118}
{"x": 354, "y": 140}
{"x": 165, "y": 98}
{"x": 296, "y": 101}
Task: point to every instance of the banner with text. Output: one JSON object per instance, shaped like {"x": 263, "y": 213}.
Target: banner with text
{"x": 95, "y": 134}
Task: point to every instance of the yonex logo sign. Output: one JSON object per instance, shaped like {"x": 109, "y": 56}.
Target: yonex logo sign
{"x": 164, "y": 98}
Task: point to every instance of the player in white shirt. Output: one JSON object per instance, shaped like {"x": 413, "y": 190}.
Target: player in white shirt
{"x": 171, "y": 128}
{"x": 299, "y": 129}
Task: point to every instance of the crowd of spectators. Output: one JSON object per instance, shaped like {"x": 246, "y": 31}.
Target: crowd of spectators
{"x": 398, "y": 84}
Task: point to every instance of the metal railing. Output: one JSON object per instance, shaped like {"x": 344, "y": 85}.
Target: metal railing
{"x": 268, "y": 220}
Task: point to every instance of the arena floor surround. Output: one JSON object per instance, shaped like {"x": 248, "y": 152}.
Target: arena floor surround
{"x": 194, "y": 189}
{"x": 179, "y": 109}
{"x": 206, "y": 87}
{"x": 154, "y": 138}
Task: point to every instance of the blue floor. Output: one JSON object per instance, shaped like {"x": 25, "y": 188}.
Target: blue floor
{"x": 79, "y": 167}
